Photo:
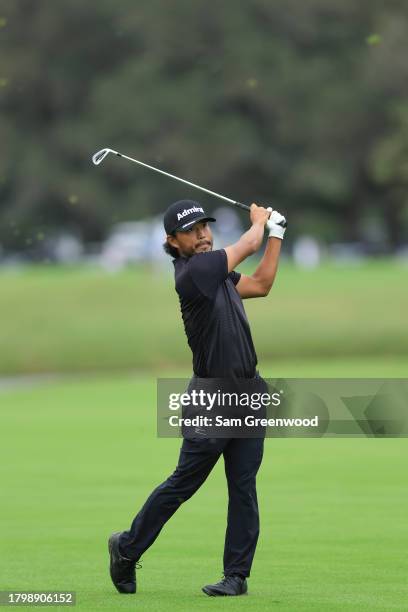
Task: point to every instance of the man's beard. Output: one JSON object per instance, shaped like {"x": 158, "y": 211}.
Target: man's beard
{"x": 203, "y": 247}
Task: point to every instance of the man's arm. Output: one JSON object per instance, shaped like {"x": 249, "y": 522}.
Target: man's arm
{"x": 251, "y": 241}
{"x": 260, "y": 282}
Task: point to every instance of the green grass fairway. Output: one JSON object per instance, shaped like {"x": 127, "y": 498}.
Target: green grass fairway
{"x": 80, "y": 456}
{"x": 73, "y": 320}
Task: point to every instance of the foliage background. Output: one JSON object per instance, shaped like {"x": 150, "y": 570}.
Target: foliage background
{"x": 302, "y": 104}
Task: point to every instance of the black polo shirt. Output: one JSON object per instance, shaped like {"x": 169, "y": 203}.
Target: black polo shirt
{"x": 214, "y": 318}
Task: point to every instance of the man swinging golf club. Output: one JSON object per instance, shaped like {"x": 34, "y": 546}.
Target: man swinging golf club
{"x": 217, "y": 329}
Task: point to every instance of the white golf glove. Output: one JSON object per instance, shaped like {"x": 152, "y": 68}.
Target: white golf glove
{"x": 276, "y": 224}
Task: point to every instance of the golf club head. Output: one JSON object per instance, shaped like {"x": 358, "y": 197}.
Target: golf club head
{"x": 99, "y": 156}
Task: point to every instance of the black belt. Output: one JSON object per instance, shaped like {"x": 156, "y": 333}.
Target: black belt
{"x": 256, "y": 375}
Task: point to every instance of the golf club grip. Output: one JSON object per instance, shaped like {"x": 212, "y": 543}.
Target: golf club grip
{"x": 243, "y": 206}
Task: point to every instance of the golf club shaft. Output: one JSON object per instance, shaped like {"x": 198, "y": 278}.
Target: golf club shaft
{"x": 176, "y": 178}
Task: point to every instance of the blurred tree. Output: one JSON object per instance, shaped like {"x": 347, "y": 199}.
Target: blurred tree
{"x": 302, "y": 104}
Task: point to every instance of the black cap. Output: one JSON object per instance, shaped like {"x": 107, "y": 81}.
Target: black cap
{"x": 181, "y": 215}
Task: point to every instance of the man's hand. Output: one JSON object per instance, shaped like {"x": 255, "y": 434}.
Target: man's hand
{"x": 259, "y": 215}
{"x": 276, "y": 224}
{"x": 251, "y": 241}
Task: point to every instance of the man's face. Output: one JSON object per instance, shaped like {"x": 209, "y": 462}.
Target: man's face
{"x": 197, "y": 239}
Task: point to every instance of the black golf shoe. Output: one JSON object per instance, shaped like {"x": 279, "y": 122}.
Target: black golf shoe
{"x": 122, "y": 570}
{"x": 229, "y": 585}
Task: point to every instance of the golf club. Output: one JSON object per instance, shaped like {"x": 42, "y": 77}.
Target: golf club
{"x": 99, "y": 156}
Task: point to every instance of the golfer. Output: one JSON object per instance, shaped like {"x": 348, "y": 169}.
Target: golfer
{"x": 217, "y": 329}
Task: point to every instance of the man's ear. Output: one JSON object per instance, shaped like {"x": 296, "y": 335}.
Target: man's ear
{"x": 172, "y": 240}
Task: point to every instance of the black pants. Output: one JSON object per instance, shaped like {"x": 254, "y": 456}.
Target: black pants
{"x": 242, "y": 458}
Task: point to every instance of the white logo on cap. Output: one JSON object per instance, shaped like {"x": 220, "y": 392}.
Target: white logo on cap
{"x": 188, "y": 211}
